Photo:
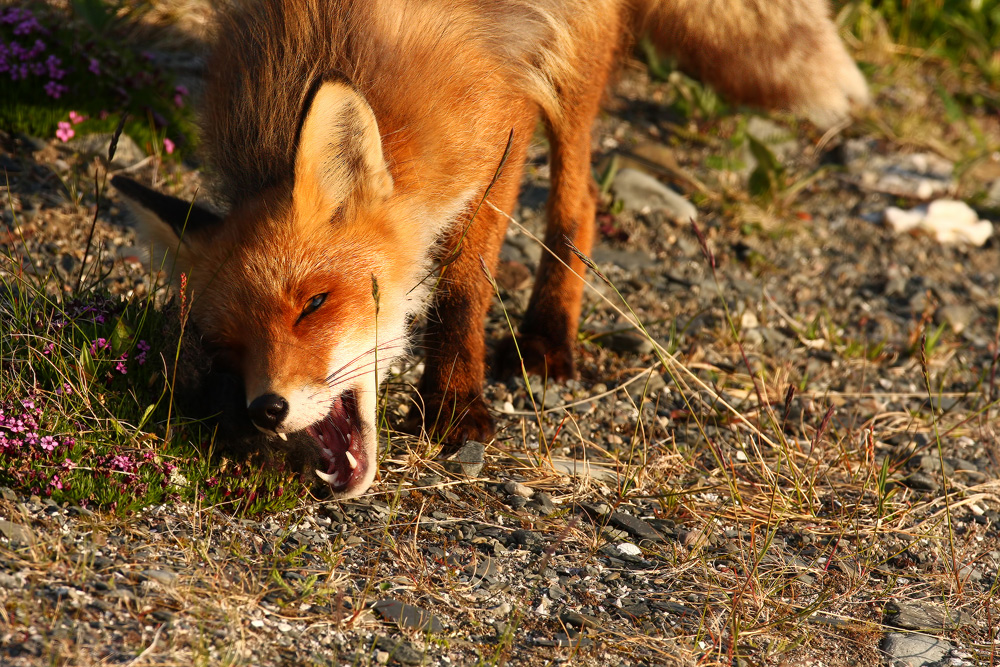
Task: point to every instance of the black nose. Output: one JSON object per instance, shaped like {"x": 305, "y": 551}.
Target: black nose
{"x": 268, "y": 411}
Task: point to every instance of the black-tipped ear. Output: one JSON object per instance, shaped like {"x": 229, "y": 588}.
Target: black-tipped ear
{"x": 339, "y": 154}
{"x": 154, "y": 210}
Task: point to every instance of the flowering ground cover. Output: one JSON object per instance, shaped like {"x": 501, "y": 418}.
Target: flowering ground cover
{"x": 63, "y": 67}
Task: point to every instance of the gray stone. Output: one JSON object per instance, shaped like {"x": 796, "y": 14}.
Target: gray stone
{"x": 543, "y": 503}
{"x": 931, "y": 463}
{"x": 920, "y": 482}
{"x": 486, "y": 567}
{"x": 914, "y": 650}
{"x": 16, "y": 533}
{"x": 924, "y": 616}
{"x": 914, "y": 175}
{"x": 165, "y": 577}
{"x": 631, "y": 342}
{"x": 516, "y": 502}
{"x": 562, "y": 640}
{"x": 957, "y": 316}
{"x": 629, "y": 260}
{"x": 524, "y": 538}
{"x": 127, "y": 153}
{"x": 646, "y": 387}
{"x": 512, "y": 488}
{"x": 401, "y": 651}
{"x": 634, "y": 526}
{"x": 641, "y": 192}
{"x": 579, "y": 620}
{"x": 468, "y": 460}
{"x": 638, "y": 609}
{"x": 407, "y": 615}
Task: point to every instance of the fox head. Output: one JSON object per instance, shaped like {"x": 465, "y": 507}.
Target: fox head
{"x": 304, "y": 290}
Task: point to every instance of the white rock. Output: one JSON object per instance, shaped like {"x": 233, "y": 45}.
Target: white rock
{"x": 641, "y": 192}
{"x": 629, "y": 549}
{"x": 947, "y": 220}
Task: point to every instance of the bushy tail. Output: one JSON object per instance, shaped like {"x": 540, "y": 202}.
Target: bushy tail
{"x": 769, "y": 53}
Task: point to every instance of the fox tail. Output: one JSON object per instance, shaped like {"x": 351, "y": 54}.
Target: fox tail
{"x": 768, "y": 53}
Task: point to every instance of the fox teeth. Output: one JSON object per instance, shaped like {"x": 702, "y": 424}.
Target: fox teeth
{"x": 321, "y": 437}
{"x": 353, "y": 462}
{"x": 327, "y": 454}
{"x": 283, "y": 437}
{"x": 332, "y": 480}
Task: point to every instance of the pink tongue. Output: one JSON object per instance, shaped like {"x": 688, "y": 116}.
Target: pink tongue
{"x": 335, "y": 435}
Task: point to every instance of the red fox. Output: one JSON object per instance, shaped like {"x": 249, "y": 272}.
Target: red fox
{"x": 352, "y": 140}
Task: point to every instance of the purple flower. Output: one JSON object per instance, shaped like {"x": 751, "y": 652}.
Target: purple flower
{"x": 168, "y": 145}
{"x": 95, "y": 66}
{"x": 55, "y": 90}
{"x": 48, "y": 443}
{"x": 52, "y": 63}
{"x": 122, "y": 463}
{"x": 99, "y": 344}
{"x": 143, "y": 348}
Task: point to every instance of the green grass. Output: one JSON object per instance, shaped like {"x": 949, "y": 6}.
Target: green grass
{"x": 85, "y": 400}
{"x": 966, "y": 32}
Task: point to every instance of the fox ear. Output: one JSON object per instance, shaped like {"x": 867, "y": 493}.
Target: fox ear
{"x": 162, "y": 218}
{"x": 339, "y": 154}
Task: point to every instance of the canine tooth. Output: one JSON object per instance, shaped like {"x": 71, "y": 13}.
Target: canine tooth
{"x": 332, "y": 480}
{"x": 327, "y": 454}
{"x": 351, "y": 460}
{"x": 283, "y": 437}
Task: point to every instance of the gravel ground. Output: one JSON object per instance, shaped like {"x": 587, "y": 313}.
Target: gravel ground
{"x": 795, "y": 486}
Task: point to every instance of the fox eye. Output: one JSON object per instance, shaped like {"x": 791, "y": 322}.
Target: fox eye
{"x": 313, "y": 304}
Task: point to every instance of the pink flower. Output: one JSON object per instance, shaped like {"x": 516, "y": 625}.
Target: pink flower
{"x": 168, "y": 145}
{"x": 65, "y": 131}
{"x": 76, "y": 118}
{"x": 179, "y": 93}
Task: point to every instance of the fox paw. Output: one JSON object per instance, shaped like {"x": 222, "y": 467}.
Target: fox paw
{"x": 452, "y": 421}
{"x": 539, "y": 355}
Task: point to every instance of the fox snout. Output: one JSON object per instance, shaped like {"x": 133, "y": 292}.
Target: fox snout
{"x": 267, "y": 412}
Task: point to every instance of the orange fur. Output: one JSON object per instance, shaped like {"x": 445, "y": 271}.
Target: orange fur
{"x": 352, "y": 141}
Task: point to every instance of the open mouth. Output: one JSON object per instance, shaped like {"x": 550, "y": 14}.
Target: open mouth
{"x": 341, "y": 443}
